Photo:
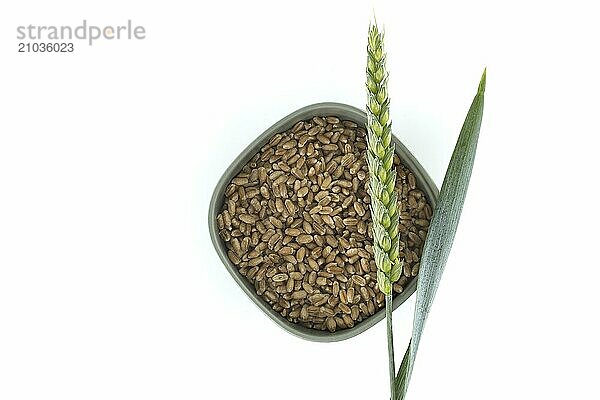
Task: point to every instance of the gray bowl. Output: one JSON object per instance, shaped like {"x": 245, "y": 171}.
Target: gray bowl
{"x": 342, "y": 111}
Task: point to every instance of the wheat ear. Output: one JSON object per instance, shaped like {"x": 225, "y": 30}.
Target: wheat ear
{"x": 380, "y": 158}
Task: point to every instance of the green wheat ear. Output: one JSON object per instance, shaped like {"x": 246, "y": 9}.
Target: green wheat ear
{"x": 380, "y": 158}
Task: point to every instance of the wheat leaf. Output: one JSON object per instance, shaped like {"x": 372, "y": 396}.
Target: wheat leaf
{"x": 442, "y": 230}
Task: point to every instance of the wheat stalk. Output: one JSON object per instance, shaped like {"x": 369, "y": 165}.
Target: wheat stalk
{"x": 384, "y": 200}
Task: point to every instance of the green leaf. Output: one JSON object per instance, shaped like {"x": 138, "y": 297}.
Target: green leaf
{"x": 442, "y": 230}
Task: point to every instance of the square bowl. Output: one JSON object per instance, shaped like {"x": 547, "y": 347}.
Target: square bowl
{"x": 346, "y": 112}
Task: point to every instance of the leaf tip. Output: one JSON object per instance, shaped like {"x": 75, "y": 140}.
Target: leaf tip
{"x": 481, "y": 89}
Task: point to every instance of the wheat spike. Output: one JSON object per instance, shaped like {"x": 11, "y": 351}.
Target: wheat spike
{"x": 380, "y": 159}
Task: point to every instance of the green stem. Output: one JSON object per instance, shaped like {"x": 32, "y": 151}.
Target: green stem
{"x": 390, "y": 340}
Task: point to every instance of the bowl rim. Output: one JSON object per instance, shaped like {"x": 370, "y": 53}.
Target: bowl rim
{"x": 344, "y": 111}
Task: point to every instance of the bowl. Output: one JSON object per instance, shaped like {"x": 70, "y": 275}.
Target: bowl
{"x": 343, "y": 111}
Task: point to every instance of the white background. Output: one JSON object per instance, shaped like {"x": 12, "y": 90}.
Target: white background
{"x": 110, "y": 287}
